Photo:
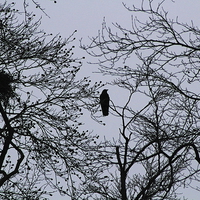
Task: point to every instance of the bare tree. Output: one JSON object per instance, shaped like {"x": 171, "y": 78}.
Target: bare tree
{"x": 157, "y": 148}
{"x": 36, "y": 4}
{"x": 41, "y": 100}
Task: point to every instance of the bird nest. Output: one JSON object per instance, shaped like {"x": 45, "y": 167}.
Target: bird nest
{"x": 6, "y": 89}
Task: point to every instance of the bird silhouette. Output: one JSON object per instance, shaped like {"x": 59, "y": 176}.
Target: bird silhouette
{"x": 104, "y": 101}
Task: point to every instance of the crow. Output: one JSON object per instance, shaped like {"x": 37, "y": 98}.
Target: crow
{"x": 104, "y": 101}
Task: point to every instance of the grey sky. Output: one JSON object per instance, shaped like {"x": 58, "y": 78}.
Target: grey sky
{"x": 86, "y": 16}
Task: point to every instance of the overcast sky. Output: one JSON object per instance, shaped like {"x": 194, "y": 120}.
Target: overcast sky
{"x": 86, "y": 17}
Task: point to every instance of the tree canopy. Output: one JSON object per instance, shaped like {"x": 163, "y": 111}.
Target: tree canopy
{"x": 40, "y": 103}
{"x": 156, "y": 151}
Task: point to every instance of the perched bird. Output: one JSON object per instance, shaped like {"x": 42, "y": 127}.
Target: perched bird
{"x": 104, "y": 101}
